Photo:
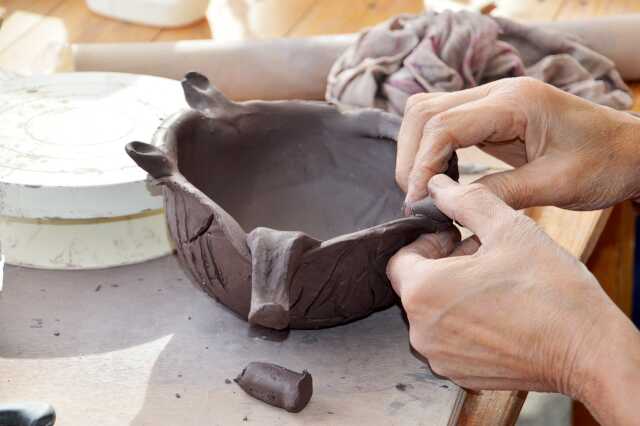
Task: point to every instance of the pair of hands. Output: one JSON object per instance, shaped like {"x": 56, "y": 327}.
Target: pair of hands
{"x": 508, "y": 308}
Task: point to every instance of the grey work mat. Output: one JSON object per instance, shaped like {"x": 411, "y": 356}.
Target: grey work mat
{"x": 141, "y": 345}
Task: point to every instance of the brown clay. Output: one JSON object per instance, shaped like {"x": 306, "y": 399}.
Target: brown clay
{"x": 276, "y": 385}
{"x": 313, "y": 186}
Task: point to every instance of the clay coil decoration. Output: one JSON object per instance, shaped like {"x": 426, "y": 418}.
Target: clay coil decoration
{"x": 313, "y": 185}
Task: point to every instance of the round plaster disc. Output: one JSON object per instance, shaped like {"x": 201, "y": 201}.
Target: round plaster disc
{"x": 62, "y": 143}
{"x": 65, "y": 178}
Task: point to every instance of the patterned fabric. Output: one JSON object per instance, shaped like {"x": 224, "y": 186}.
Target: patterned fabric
{"x": 443, "y": 52}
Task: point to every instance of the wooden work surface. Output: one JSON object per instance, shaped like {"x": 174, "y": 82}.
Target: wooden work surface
{"x": 34, "y": 29}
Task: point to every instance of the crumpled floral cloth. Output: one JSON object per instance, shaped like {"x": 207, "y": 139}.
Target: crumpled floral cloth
{"x": 447, "y": 51}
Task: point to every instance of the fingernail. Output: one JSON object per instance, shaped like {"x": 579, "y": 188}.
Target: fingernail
{"x": 406, "y": 210}
{"x": 408, "y": 204}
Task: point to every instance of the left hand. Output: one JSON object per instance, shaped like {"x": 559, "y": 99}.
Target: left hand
{"x": 551, "y": 137}
{"x": 507, "y": 308}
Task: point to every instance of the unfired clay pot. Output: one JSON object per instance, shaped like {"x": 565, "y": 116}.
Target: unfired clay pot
{"x": 314, "y": 188}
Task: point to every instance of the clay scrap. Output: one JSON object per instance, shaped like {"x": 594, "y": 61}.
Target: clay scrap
{"x": 286, "y": 212}
{"x": 276, "y": 385}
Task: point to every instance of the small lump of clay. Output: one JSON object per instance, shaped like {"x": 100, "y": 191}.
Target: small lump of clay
{"x": 276, "y": 385}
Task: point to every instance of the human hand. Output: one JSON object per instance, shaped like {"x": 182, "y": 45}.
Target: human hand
{"x": 567, "y": 151}
{"x": 510, "y": 309}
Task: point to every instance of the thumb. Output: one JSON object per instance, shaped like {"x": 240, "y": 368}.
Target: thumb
{"x": 474, "y": 206}
{"x": 405, "y": 266}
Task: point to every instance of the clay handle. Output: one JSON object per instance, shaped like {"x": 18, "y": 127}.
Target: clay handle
{"x": 151, "y": 159}
{"x": 201, "y": 95}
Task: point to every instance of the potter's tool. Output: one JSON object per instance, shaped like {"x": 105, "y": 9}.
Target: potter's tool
{"x": 69, "y": 196}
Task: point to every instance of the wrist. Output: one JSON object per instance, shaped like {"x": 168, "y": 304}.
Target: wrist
{"x": 608, "y": 384}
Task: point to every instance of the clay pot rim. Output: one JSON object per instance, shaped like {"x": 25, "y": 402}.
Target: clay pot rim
{"x": 166, "y": 139}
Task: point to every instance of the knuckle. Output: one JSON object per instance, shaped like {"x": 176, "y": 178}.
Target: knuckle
{"x": 432, "y": 351}
{"x": 524, "y": 86}
{"x": 428, "y": 110}
{"x": 397, "y": 267}
{"x": 393, "y": 266}
{"x": 518, "y": 122}
{"x": 425, "y": 340}
{"x": 439, "y": 369}
{"x": 413, "y": 102}
{"x": 522, "y": 222}
{"x": 418, "y": 341}
{"x": 414, "y": 339}
{"x": 526, "y": 80}
{"x": 423, "y": 107}
{"x": 438, "y": 145}
{"x": 438, "y": 121}
{"x": 412, "y": 299}
{"x": 418, "y": 181}
{"x": 418, "y": 174}
{"x": 435, "y": 157}
{"x": 440, "y": 360}
{"x": 515, "y": 219}
{"x": 516, "y": 226}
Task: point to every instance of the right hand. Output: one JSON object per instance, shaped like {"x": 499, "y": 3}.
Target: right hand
{"x": 567, "y": 151}
{"x": 510, "y": 309}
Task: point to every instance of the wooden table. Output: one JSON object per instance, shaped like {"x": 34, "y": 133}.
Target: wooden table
{"x": 32, "y": 27}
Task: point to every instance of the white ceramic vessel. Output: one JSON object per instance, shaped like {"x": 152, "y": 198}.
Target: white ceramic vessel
{"x": 158, "y": 13}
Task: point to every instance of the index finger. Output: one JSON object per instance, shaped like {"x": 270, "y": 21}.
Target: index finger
{"x": 486, "y": 119}
{"x": 419, "y": 110}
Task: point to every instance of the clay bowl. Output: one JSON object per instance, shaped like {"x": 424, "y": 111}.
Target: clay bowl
{"x": 314, "y": 188}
